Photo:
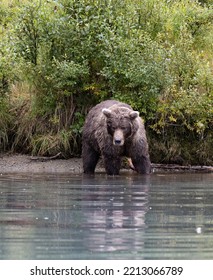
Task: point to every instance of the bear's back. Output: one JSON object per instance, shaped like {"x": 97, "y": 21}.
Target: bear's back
{"x": 107, "y": 104}
{"x": 95, "y": 115}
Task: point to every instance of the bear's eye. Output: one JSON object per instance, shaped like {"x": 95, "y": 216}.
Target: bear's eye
{"x": 111, "y": 128}
{"x": 125, "y": 128}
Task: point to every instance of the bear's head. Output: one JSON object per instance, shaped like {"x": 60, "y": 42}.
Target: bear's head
{"x": 121, "y": 123}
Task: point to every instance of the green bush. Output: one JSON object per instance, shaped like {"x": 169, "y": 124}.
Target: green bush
{"x": 62, "y": 57}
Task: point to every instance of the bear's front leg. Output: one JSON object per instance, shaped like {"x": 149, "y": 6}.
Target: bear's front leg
{"x": 90, "y": 158}
{"x": 112, "y": 165}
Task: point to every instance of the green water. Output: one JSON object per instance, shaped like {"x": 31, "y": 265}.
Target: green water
{"x": 164, "y": 216}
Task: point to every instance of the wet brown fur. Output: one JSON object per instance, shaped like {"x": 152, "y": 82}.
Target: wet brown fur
{"x": 99, "y": 133}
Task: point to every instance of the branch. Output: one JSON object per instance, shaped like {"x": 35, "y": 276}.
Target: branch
{"x": 45, "y": 158}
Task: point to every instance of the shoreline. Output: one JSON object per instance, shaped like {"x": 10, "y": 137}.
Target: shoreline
{"x": 18, "y": 163}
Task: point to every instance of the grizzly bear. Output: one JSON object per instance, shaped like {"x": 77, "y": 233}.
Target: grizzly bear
{"x": 112, "y": 130}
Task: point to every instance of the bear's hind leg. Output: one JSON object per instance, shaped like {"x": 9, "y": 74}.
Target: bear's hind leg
{"x": 139, "y": 154}
{"x": 90, "y": 159}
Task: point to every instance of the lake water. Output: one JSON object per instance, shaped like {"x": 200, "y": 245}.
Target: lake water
{"x": 161, "y": 216}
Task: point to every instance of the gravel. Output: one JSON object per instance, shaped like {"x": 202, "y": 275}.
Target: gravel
{"x": 27, "y": 164}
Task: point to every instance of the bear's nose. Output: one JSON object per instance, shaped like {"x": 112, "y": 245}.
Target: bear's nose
{"x": 117, "y": 142}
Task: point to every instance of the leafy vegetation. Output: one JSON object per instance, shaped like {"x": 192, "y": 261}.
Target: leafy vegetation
{"x": 60, "y": 57}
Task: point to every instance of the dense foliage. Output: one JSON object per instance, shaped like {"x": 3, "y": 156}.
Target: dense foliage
{"x": 60, "y": 57}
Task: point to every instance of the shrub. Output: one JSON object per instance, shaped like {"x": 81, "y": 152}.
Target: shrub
{"x": 65, "y": 56}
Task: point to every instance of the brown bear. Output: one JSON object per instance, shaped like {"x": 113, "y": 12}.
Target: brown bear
{"x": 112, "y": 130}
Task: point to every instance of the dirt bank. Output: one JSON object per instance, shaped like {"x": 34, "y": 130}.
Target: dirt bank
{"x": 26, "y": 164}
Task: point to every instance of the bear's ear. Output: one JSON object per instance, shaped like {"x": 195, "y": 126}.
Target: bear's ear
{"x": 133, "y": 115}
{"x": 107, "y": 112}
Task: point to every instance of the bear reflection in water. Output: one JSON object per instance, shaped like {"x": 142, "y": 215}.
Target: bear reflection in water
{"x": 112, "y": 130}
{"x": 113, "y": 213}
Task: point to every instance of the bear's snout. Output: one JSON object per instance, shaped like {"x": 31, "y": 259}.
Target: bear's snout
{"x": 118, "y": 138}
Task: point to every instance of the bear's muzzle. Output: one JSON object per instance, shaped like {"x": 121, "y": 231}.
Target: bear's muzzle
{"x": 118, "y": 138}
